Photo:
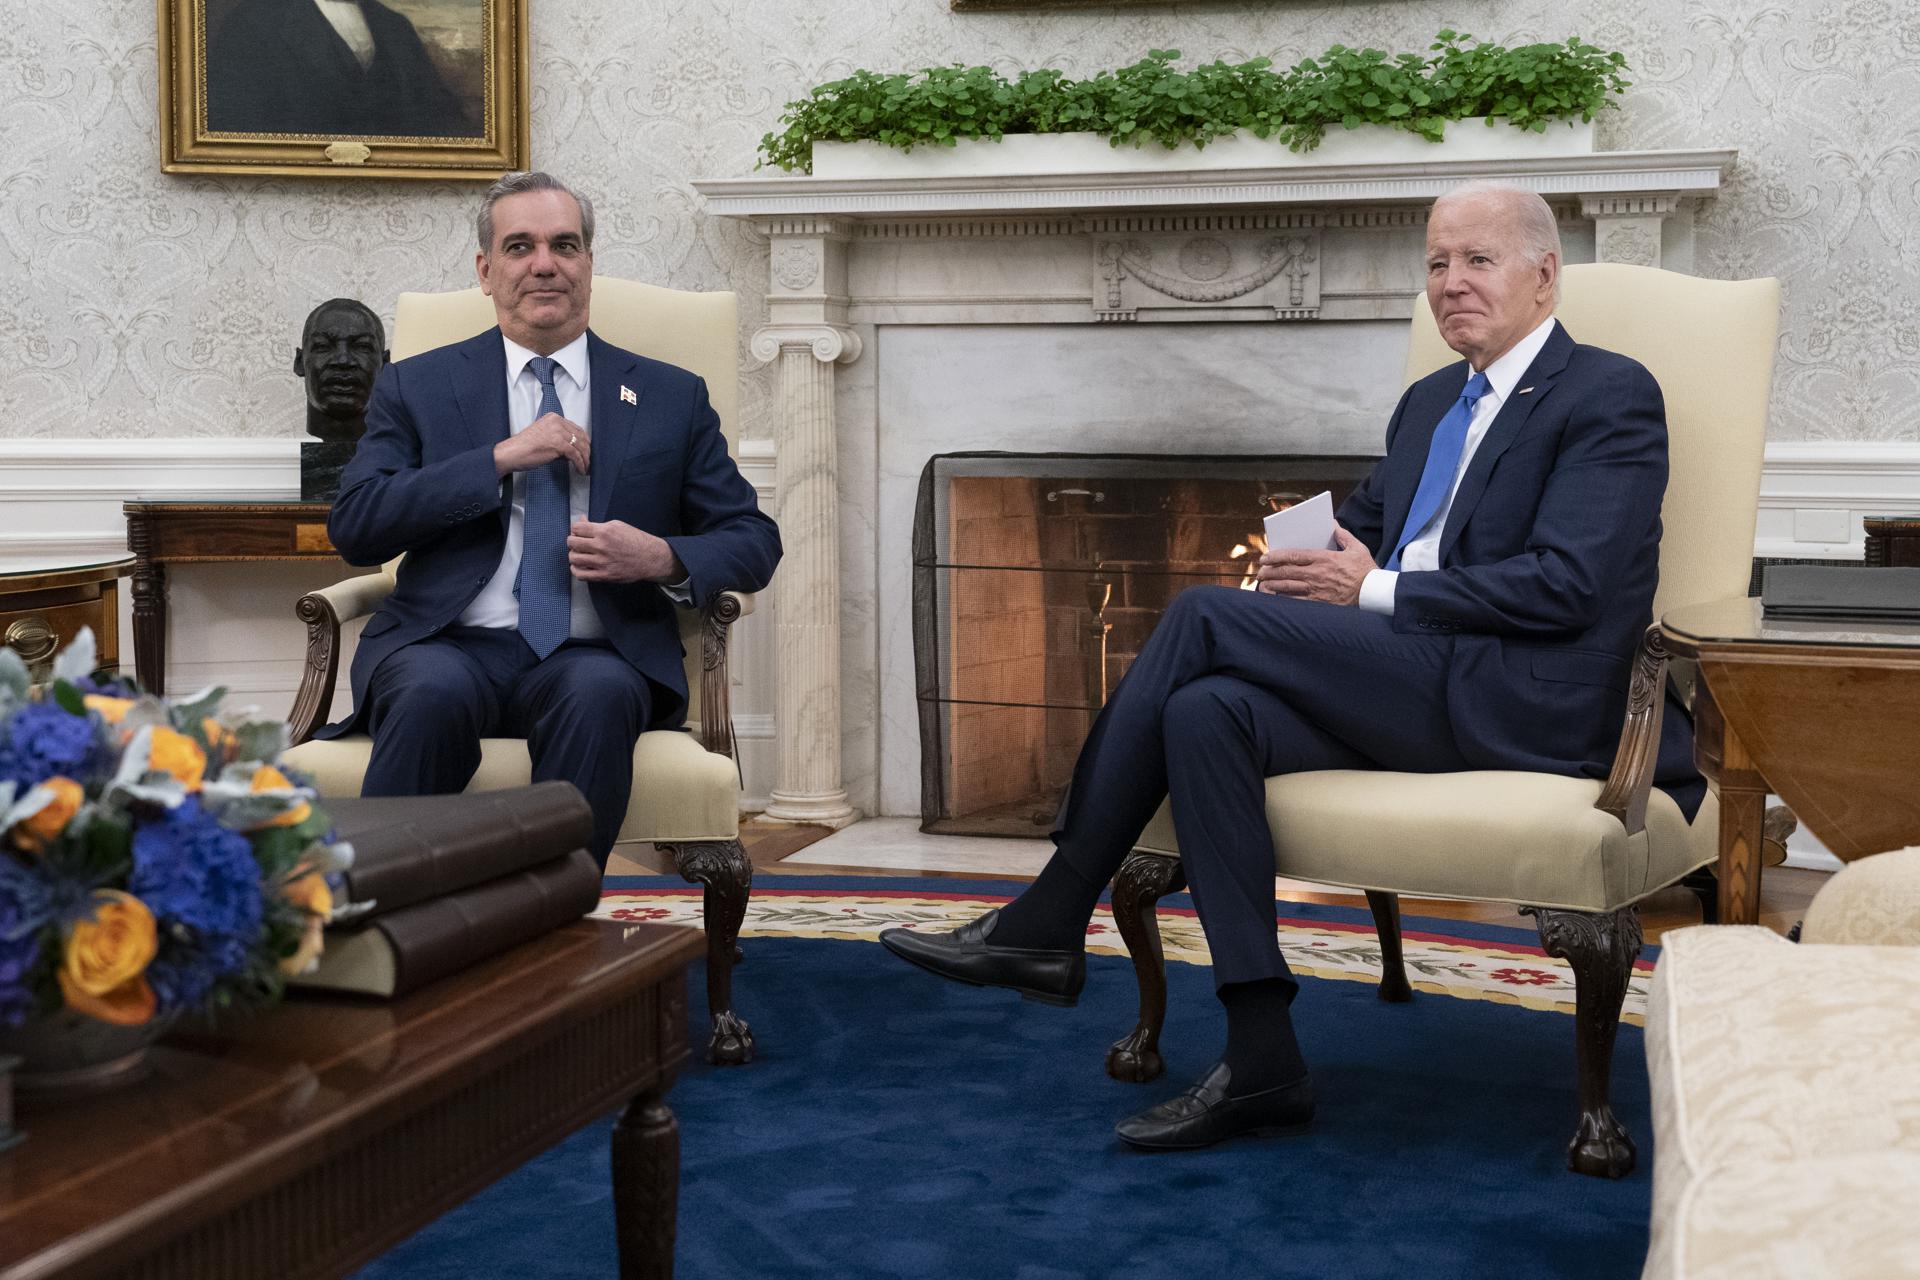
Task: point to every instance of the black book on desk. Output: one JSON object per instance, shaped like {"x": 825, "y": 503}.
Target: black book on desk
{"x": 1841, "y": 593}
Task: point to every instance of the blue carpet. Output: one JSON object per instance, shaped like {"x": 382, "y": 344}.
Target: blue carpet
{"x": 895, "y": 1125}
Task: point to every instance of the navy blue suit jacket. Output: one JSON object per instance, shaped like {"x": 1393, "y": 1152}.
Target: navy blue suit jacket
{"x": 1548, "y": 560}
{"x": 422, "y": 482}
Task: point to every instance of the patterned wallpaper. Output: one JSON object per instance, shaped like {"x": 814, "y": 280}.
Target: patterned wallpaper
{"x": 140, "y": 304}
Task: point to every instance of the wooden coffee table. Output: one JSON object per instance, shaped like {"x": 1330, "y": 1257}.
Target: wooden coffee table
{"x": 313, "y": 1138}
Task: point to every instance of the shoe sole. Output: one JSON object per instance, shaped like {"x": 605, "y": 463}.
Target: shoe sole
{"x": 1025, "y": 993}
{"x": 1258, "y": 1131}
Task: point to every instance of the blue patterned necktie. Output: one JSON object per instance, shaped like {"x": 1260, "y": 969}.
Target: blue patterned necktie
{"x": 545, "y": 587}
{"x": 1443, "y": 459}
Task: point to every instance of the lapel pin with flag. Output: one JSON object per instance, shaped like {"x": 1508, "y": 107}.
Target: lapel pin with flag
{"x": 627, "y": 396}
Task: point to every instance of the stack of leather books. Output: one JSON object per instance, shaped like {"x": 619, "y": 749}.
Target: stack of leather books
{"x": 442, "y": 882}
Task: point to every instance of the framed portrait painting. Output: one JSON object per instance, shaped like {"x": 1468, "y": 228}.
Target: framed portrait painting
{"x": 374, "y": 88}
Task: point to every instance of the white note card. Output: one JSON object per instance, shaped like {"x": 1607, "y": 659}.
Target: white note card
{"x": 1304, "y": 526}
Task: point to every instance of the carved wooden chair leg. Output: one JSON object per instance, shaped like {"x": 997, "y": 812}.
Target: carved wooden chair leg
{"x": 1394, "y": 988}
{"x": 725, "y": 875}
{"x": 1600, "y": 946}
{"x": 1143, "y": 879}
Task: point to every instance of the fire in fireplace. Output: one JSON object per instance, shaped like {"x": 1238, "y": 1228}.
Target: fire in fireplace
{"x": 1037, "y": 577}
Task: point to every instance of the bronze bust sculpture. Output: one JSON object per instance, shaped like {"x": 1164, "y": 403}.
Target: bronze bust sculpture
{"x": 342, "y": 349}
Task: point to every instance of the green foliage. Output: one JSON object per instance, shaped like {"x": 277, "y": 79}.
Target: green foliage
{"x": 1154, "y": 100}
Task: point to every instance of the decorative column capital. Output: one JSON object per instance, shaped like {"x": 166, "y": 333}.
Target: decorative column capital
{"x": 831, "y": 343}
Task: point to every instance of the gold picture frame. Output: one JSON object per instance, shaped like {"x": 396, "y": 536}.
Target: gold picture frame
{"x": 438, "y": 88}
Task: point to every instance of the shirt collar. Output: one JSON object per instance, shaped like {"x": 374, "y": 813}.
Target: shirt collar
{"x": 1505, "y": 372}
{"x": 572, "y": 358}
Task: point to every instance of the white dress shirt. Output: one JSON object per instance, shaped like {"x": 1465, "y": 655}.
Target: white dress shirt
{"x": 346, "y": 18}
{"x": 496, "y": 605}
{"x": 1377, "y": 588}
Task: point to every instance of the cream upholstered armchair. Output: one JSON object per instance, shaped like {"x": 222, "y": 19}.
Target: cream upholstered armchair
{"x": 1576, "y": 853}
{"x": 686, "y": 785}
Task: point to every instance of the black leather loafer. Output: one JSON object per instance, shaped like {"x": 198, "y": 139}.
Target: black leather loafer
{"x": 1208, "y": 1113}
{"x": 965, "y": 955}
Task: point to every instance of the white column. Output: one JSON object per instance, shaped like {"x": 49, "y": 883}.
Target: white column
{"x": 807, "y": 336}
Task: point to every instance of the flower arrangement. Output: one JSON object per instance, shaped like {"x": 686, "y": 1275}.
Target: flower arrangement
{"x": 154, "y": 859}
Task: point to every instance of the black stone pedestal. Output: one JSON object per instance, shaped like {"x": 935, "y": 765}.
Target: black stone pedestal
{"x": 321, "y": 462}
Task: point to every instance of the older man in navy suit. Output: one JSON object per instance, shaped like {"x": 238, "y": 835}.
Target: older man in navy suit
{"x": 1492, "y": 577}
{"x": 556, "y": 497}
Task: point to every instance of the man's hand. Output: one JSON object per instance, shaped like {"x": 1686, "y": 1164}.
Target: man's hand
{"x": 617, "y": 552}
{"x": 549, "y": 437}
{"x": 1332, "y": 576}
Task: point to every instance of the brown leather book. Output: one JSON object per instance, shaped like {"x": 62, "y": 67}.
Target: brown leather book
{"x": 400, "y": 951}
{"x": 408, "y": 849}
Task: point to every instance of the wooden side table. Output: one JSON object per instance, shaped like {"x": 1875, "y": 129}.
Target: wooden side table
{"x": 45, "y": 601}
{"x": 1824, "y": 714}
{"x": 202, "y": 531}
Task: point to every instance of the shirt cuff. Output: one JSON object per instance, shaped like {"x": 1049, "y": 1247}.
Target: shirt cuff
{"x": 681, "y": 592}
{"x": 1376, "y": 590}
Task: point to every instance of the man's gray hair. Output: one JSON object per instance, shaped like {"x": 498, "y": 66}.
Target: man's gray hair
{"x": 523, "y": 180}
{"x": 1532, "y": 216}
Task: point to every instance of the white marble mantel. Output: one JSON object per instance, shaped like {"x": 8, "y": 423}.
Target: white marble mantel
{"x": 849, "y": 257}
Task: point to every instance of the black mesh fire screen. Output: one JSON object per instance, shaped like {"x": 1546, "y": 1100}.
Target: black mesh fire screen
{"x": 1037, "y": 577}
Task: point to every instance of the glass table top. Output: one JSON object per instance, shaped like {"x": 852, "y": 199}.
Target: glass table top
{"x": 1740, "y": 621}
{"x": 53, "y": 562}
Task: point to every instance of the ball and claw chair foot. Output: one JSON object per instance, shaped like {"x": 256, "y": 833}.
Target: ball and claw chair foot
{"x": 732, "y": 1041}
{"x": 1601, "y": 1147}
{"x": 1134, "y": 1059}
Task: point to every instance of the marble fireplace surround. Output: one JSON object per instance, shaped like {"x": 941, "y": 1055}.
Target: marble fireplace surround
{"x": 1253, "y": 311}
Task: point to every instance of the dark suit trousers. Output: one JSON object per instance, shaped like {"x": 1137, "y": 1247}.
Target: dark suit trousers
{"x": 1234, "y": 687}
{"x": 580, "y": 710}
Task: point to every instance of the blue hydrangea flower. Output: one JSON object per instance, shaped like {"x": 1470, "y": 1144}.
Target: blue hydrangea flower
{"x": 27, "y": 903}
{"x": 41, "y": 741}
{"x": 16, "y": 962}
{"x": 201, "y": 881}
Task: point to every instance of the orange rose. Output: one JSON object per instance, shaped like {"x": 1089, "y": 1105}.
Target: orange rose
{"x": 130, "y": 1004}
{"x": 268, "y": 778}
{"x": 179, "y": 755}
{"x": 100, "y": 974}
{"x": 112, "y": 710}
{"x": 37, "y": 832}
{"x": 311, "y": 894}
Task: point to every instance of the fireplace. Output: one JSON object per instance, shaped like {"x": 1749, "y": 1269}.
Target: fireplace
{"x": 1037, "y": 578}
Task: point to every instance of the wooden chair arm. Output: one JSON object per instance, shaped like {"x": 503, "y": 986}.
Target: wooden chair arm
{"x": 323, "y": 611}
{"x": 716, "y": 706}
{"x": 1631, "y": 779}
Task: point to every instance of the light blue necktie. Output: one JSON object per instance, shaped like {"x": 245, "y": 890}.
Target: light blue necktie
{"x": 545, "y": 587}
{"x": 1443, "y": 459}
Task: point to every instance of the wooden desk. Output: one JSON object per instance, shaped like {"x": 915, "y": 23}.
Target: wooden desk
{"x": 313, "y": 1138}
{"x": 190, "y": 531}
{"x": 44, "y": 602}
{"x": 1825, "y": 715}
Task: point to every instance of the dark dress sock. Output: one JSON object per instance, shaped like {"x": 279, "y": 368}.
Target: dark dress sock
{"x": 1262, "y": 1052}
{"x": 1052, "y": 914}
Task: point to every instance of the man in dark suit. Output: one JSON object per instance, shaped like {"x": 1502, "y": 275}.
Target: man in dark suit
{"x": 555, "y": 498}
{"x": 337, "y": 68}
{"x": 1492, "y": 578}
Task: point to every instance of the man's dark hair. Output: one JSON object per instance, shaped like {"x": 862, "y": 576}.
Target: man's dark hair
{"x": 522, "y": 180}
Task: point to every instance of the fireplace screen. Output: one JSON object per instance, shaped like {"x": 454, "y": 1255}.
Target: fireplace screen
{"x": 1037, "y": 577}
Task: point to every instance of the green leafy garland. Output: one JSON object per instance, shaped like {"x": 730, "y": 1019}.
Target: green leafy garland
{"x": 1458, "y": 79}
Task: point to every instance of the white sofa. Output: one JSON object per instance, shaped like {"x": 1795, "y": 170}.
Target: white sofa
{"x": 1786, "y": 1090}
